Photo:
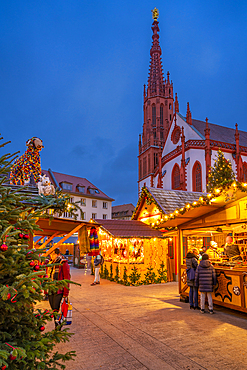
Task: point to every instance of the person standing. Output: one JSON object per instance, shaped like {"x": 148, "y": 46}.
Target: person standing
{"x": 58, "y": 272}
{"x": 191, "y": 263}
{"x": 205, "y": 279}
{"x": 98, "y": 261}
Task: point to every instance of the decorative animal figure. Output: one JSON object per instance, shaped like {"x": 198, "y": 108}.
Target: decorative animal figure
{"x": 28, "y": 163}
{"x": 45, "y": 187}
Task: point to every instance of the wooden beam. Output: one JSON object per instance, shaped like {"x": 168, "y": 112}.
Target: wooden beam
{"x": 48, "y": 240}
{"x": 63, "y": 240}
{"x": 38, "y": 241}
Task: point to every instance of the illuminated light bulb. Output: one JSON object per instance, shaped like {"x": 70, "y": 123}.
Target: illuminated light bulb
{"x": 181, "y": 209}
{"x": 171, "y": 214}
{"x": 217, "y": 191}
{"x": 166, "y": 217}
{"x": 194, "y": 203}
{"x": 176, "y": 212}
{"x": 188, "y": 206}
{"x": 209, "y": 195}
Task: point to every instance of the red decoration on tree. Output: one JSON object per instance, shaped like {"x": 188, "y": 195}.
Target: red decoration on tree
{"x": 36, "y": 267}
{"x": 21, "y": 235}
{"x": 25, "y": 236}
{"x": 52, "y": 316}
{"x": 8, "y": 296}
{"x": 4, "y": 247}
{"x": 11, "y": 357}
{"x": 4, "y": 367}
{"x": 42, "y": 328}
{"x": 32, "y": 263}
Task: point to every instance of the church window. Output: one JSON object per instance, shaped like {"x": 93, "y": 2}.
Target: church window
{"x": 170, "y": 106}
{"x": 161, "y": 115}
{"x": 166, "y": 102}
{"x": 155, "y": 159}
{"x": 169, "y": 92}
{"x": 144, "y": 166}
{"x": 155, "y": 134}
{"x": 176, "y": 177}
{"x": 245, "y": 172}
{"x": 197, "y": 177}
{"x": 153, "y": 115}
{"x": 148, "y": 163}
{"x": 161, "y": 135}
{"x": 170, "y": 117}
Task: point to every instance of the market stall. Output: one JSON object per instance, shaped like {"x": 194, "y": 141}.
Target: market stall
{"x": 219, "y": 223}
{"x": 127, "y": 244}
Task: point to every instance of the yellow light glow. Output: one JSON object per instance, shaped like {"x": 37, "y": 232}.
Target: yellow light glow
{"x": 217, "y": 191}
{"x": 194, "y": 203}
{"x": 176, "y": 212}
{"x": 166, "y": 217}
{"x": 171, "y": 214}
{"x": 188, "y": 206}
{"x": 209, "y": 195}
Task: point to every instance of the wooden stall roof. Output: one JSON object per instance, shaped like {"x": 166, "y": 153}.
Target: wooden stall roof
{"x": 129, "y": 229}
{"x": 58, "y": 225}
{"x": 216, "y": 204}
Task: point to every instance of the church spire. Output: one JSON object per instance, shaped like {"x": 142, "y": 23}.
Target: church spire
{"x": 156, "y": 79}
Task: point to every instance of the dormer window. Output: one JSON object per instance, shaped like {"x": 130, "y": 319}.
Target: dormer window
{"x": 93, "y": 191}
{"x": 66, "y": 186}
{"x": 81, "y": 188}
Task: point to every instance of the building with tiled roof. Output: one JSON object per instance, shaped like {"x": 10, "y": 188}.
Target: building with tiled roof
{"x": 176, "y": 152}
{"x": 93, "y": 202}
{"x": 123, "y": 211}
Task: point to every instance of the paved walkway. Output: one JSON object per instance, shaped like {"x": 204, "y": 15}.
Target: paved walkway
{"x": 147, "y": 327}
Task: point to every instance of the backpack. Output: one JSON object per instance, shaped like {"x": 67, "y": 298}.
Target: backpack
{"x": 102, "y": 260}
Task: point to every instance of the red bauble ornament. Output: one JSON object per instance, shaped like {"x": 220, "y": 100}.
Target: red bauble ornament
{"x": 42, "y": 328}
{"x": 21, "y": 235}
{"x": 32, "y": 263}
{"x": 52, "y": 316}
{"x": 25, "y": 236}
{"x": 11, "y": 357}
{"x": 4, "y": 367}
{"x": 4, "y": 247}
{"x": 36, "y": 267}
{"x": 8, "y": 296}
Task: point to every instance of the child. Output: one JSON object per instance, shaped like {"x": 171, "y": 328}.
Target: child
{"x": 205, "y": 279}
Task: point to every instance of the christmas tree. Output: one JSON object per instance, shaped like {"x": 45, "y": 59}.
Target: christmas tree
{"x": 221, "y": 174}
{"x": 24, "y": 342}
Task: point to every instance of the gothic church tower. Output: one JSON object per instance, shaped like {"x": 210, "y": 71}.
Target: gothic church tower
{"x": 158, "y": 111}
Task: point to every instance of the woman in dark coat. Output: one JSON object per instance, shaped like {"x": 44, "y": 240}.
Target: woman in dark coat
{"x": 206, "y": 280}
{"x": 191, "y": 263}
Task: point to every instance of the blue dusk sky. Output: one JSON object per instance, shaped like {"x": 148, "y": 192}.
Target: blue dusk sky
{"x": 72, "y": 73}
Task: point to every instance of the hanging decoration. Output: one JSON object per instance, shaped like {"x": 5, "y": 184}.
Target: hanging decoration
{"x": 27, "y": 164}
{"x": 94, "y": 242}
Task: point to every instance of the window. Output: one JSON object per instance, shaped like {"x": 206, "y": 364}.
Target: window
{"x": 105, "y": 205}
{"x": 104, "y": 217}
{"x": 245, "y": 172}
{"x": 140, "y": 168}
{"x": 66, "y": 186}
{"x": 94, "y": 216}
{"x": 176, "y": 177}
{"x": 153, "y": 115}
{"x": 170, "y": 117}
{"x": 83, "y": 215}
{"x": 197, "y": 176}
{"x": 94, "y": 203}
{"x": 83, "y": 202}
{"x": 155, "y": 159}
{"x": 81, "y": 189}
{"x": 170, "y": 106}
{"x": 161, "y": 115}
{"x": 144, "y": 166}
{"x": 93, "y": 191}
{"x": 67, "y": 215}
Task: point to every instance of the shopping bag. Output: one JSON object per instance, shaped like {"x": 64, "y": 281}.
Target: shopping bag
{"x": 65, "y": 316}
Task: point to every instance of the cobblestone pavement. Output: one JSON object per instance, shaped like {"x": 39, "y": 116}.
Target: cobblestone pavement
{"x": 147, "y": 327}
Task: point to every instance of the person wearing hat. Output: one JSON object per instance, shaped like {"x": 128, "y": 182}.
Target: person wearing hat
{"x": 205, "y": 279}
{"x": 191, "y": 263}
{"x": 59, "y": 272}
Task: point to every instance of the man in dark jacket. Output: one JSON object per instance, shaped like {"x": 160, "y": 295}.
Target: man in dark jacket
{"x": 191, "y": 263}
{"x": 205, "y": 279}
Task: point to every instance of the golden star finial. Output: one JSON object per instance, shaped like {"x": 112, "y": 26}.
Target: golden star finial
{"x": 155, "y": 13}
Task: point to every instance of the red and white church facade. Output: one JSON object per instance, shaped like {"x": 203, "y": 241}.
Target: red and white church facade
{"x": 176, "y": 152}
